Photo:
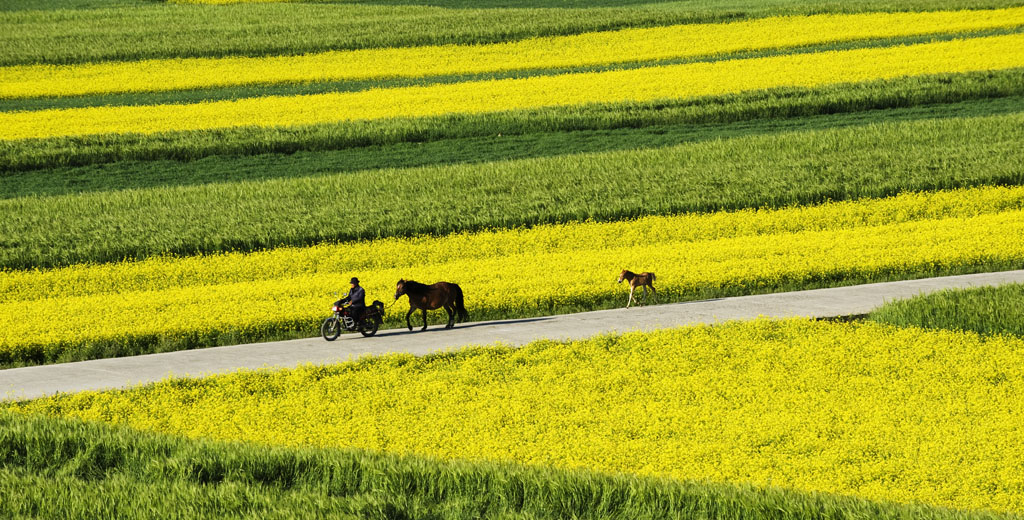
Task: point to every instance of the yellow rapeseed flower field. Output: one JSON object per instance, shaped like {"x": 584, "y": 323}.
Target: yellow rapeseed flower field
{"x": 639, "y": 85}
{"x": 599, "y": 48}
{"x": 861, "y": 409}
{"x": 511, "y": 270}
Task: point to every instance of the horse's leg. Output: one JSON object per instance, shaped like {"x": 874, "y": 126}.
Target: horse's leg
{"x": 631, "y": 288}
{"x": 645, "y": 295}
{"x": 424, "y": 319}
{"x": 407, "y": 322}
{"x": 451, "y": 316}
{"x": 654, "y": 293}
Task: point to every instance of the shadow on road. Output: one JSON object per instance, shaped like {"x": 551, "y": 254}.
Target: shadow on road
{"x": 440, "y": 328}
{"x": 656, "y": 305}
{"x": 701, "y": 301}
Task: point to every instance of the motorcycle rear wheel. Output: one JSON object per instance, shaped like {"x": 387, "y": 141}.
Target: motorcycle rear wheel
{"x": 331, "y": 329}
{"x": 370, "y": 329}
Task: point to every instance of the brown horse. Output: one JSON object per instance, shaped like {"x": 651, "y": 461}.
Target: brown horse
{"x": 430, "y": 297}
{"x": 644, "y": 280}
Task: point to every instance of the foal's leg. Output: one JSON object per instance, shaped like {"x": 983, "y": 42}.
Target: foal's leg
{"x": 654, "y": 293}
{"x": 645, "y": 295}
{"x": 407, "y": 322}
{"x": 424, "y": 319}
{"x": 631, "y": 288}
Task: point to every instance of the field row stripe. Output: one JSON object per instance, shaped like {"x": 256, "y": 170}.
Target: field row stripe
{"x": 685, "y": 230}
{"x": 589, "y": 49}
{"x": 670, "y": 82}
{"x": 523, "y": 283}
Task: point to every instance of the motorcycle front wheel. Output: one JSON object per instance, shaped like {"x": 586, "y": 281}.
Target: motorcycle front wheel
{"x": 370, "y": 329}
{"x": 331, "y": 329}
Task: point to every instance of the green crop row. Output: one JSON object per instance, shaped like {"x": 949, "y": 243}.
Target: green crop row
{"x": 464, "y": 150}
{"x": 985, "y": 310}
{"x": 55, "y": 468}
{"x": 777, "y": 169}
{"x": 177, "y": 31}
{"x": 742, "y": 6}
{"x": 775, "y": 103}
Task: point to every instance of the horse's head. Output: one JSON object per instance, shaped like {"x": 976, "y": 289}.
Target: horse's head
{"x": 400, "y": 289}
{"x": 622, "y": 275}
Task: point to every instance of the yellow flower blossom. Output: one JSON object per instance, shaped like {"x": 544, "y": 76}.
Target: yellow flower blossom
{"x": 903, "y": 415}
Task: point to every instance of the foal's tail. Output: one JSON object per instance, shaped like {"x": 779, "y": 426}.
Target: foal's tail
{"x": 654, "y": 278}
{"x": 460, "y": 305}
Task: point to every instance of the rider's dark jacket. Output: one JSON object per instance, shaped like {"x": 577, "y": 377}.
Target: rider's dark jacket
{"x": 356, "y": 297}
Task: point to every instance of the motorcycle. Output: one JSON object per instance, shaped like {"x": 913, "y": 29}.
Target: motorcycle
{"x": 371, "y": 320}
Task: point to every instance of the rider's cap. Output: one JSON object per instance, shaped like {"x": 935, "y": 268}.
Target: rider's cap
{"x": 354, "y": 280}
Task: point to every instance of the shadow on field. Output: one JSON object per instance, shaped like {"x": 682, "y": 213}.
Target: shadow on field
{"x": 451, "y": 151}
{"x": 845, "y": 318}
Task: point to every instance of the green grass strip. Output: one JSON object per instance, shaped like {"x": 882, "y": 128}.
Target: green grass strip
{"x": 51, "y": 5}
{"x": 985, "y": 310}
{"x": 775, "y": 103}
{"x": 52, "y": 468}
{"x": 776, "y": 169}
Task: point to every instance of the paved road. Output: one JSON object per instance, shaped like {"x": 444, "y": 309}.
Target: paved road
{"x": 38, "y": 381}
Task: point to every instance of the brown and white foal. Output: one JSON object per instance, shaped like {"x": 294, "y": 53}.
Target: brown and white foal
{"x": 644, "y": 280}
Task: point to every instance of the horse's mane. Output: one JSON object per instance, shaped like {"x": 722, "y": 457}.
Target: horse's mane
{"x": 414, "y": 286}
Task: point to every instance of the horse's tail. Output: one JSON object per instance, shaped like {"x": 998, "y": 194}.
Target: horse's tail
{"x": 460, "y": 304}
{"x": 654, "y": 278}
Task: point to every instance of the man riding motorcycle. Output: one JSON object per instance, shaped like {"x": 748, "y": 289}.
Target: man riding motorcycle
{"x": 357, "y": 317}
{"x": 356, "y": 300}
